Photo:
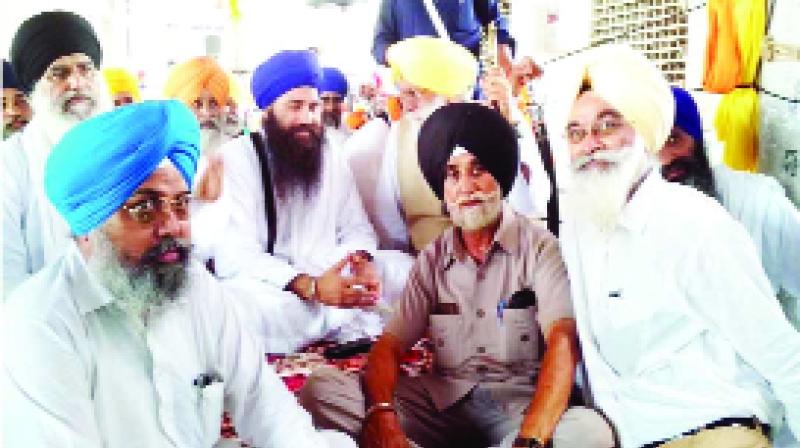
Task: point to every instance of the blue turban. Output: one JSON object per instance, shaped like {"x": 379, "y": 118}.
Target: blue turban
{"x": 283, "y": 72}
{"x": 9, "y": 80}
{"x": 687, "y": 118}
{"x": 100, "y": 162}
{"x": 333, "y": 80}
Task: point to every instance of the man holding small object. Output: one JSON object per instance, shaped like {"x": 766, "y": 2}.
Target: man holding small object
{"x": 487, "y": 290}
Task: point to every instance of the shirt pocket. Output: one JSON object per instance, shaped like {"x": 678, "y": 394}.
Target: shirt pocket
{"x": 521, "y": 335}
{"x": 210, "y": 410}
{"x": 449, "y": 346}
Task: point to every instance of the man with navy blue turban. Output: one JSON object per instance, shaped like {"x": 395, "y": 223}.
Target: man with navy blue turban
{"x": 142, "y": 340}
{"x": 298, "y": 231}
{"x": 755, "y": 200}
{"x": 56, "y": 56}
{"x": 333, "y": 93}
{"x": 16, "y": 110}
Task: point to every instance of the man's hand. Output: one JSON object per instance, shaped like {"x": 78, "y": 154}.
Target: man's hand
{"x": 382, "y": 430}
{"x": 361, "y": 290}
{"x": 209, "y": 188}
{"x": 497, "y": 89}
{"x": 524, "y": 72}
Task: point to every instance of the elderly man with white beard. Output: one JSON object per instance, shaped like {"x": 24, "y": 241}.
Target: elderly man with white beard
{"x": 124, "y": 340}
{"x": 56, "y": 55}
{"x": 683, "y": 340}
{"x": 487, "y": 291}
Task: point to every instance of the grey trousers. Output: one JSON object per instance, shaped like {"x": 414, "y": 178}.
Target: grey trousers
{"x": 481, "y": 419}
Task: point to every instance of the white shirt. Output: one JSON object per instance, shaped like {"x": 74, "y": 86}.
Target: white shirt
{"x": 81, "y": 373}
{"x": 760, "y": 204}
{"x": 312, "y": 235}
{"x": 33, "y": 231}
{"x": 678, "y": 322}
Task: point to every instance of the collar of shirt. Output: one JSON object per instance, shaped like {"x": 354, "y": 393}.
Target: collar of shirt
{"x": 640, "y": 206}
{"x": 506, "y": 238}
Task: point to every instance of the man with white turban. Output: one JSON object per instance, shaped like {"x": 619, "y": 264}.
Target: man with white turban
{"x": 56, "y": 55}
{"x": 678, "y": 323}
{"x": 124, "y": 340}
{"x": 298, "y": 231}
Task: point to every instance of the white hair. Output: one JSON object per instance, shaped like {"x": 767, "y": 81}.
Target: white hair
{"x": 476, "y": 217}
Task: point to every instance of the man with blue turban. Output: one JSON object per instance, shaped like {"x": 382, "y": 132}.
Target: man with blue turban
{"x": 56, "y": 56}
{"x": 755, "y": 200}
{"x": 333, "y": 93}
{"x": 298, "y": 231}
{"x": 124, "y": 336}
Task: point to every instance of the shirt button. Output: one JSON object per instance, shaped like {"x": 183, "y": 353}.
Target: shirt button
{"x": 480, "y": 312}
{"x": 481, "y": 349}
{"x": 524, "y": 338}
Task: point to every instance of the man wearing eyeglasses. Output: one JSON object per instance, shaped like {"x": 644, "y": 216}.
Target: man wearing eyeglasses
{"x": 683, "y": 340}
{"x": 124, "y": 340}
{"x": 56, "y": 55}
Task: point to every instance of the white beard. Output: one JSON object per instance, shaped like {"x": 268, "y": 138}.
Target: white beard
{"x": 58, "y": 116}
{"x": 598, "y": 195}
{"x": 211, "y": 140}
{"x": 478, "y": 216}
{"x": 136, "y": 295}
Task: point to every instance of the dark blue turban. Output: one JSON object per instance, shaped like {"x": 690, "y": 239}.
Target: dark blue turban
{"x": 101, "y": 162}
{"x": 687, "y": 118}
{"x": 283, "y": 72}
{"x": 9, "y": 80}
{"x": 333, "y": 80}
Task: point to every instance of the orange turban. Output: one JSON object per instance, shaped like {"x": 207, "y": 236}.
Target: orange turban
{"x": 187, "y": 80}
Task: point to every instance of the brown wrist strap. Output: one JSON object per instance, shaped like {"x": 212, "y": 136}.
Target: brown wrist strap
{"x": 379, "y": 407}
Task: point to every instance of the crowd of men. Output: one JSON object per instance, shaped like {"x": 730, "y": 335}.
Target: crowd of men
{"x": 155, "y": 250}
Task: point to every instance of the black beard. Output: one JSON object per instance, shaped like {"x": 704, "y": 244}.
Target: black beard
{"x": 696, "y": 172}
{"x": 167, "y": 277}
{"x": 295, "y": 162}
{"x": 332, "y": 119}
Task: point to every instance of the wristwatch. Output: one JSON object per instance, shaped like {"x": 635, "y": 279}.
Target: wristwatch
{"x": 312, "y": 287}
{"x": 527, "y": 442}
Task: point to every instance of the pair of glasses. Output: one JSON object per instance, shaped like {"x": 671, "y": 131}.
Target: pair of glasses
{"x": 604, "y": 127}
{"x": 144, "y": 211}
{"x": 62, "y": 73}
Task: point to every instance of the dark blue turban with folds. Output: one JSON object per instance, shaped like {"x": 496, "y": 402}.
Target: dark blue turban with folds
{"x": 101, "y": 162}
{"x": 333, "y": 80}
{"x": 283, "y": 72}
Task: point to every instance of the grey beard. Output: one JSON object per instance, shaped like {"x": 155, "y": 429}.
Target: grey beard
{"x": 139, "y": 291}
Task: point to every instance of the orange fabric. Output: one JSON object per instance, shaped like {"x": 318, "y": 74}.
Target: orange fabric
{"x": 722, "y": 62}
{"x": 394, "y": 108}
{"x": 187, "y": 80}
{"x": 356, "y": 119}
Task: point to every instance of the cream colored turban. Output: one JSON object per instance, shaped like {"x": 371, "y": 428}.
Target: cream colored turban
{"x": 435, "y": 64}
{"x": 631, "y": 84}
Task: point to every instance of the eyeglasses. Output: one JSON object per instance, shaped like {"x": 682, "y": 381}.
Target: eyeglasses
{"x": 605, "y": 126}
{"x": 144, "y": 211}
{"x": 61, "y": 73}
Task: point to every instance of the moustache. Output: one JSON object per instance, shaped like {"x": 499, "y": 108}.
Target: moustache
{"x": 474, "y": 199}
{"x": 611, "y": 157}
{"x": 167, "y": 245}
{"x": 209, "y": 124}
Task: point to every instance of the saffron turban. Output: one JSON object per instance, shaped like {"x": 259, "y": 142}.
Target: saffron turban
{"x": 631, "y": 84}
{"x": 120, "y": 80}
{"x": 435, "y": 64}
{"x": 100, "y": 162}
{"x": 687, "y": 117}
{"x": 283, "y": 72}
{"x": 187, "y": 81}
{"x": 474, "y": 128}
{"x": 45, "y": 37}
{"x": 333, "y": 80}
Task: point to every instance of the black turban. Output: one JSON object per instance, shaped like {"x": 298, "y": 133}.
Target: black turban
{"x": 45, "y": 37}
{"x": 476, "y": 128}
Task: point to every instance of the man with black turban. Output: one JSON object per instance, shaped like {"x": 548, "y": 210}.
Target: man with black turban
{"x": 56, "y": 56}
{"x": 16, "y": 110}
{"x": 492, "y": 292}
{"x": 124, "y": 340}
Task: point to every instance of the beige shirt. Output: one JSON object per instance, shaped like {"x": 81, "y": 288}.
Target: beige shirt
{"x": 460, "y": 304}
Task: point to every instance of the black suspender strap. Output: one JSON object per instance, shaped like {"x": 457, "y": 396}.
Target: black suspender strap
{"x": 269, "y": 196}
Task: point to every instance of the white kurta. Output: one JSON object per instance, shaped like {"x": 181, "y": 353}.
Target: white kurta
{"x": 679, "y": 325}
{"x": 312, "y": 234}
{"x": 33, "y": 231}
{"x": 760, "y": 204}
{"x": 82, "y": 373}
